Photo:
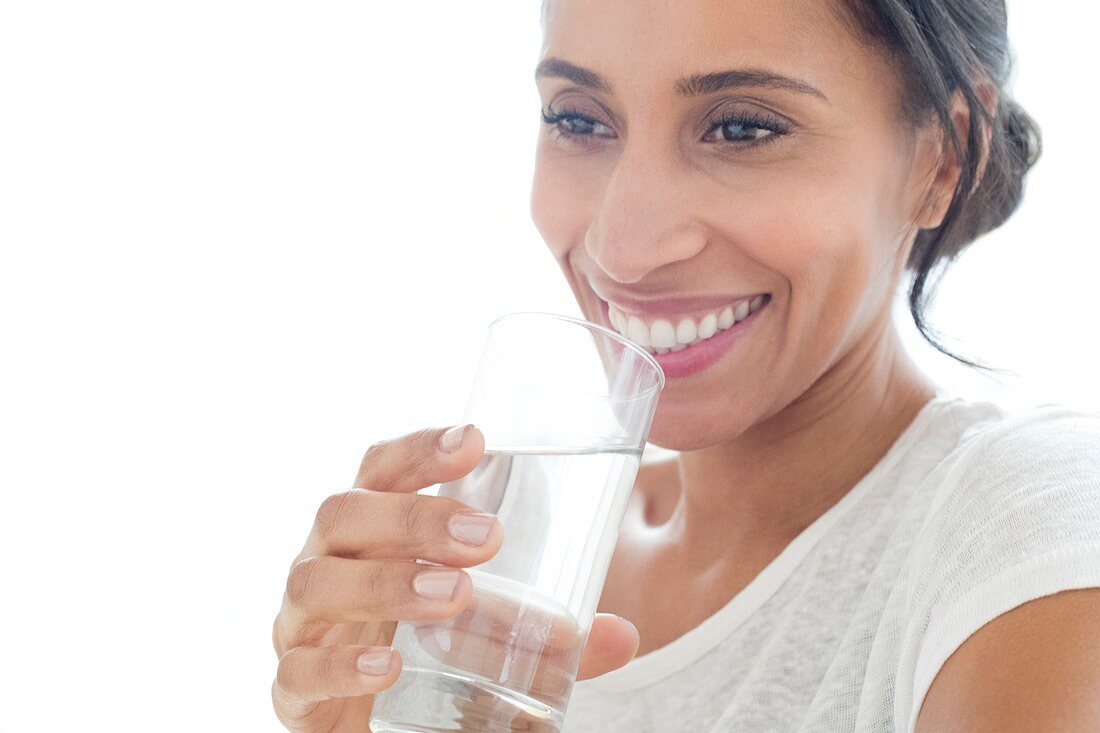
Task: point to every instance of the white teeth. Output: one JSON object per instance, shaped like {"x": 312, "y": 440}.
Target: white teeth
{"x": 661, "y": 335}
{"x": 616, "y": 318}
{"x": 685, "y": 332}
{"x": 708, "y": 326}
{"x": 637, "y": 331}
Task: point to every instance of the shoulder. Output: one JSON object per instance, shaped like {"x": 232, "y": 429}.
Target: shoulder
{"x": 1035, "y": 667}
{"x": 1018, "y": 488}
{"x": 1047, "y": 426}
{"x": 1014, "y": 455}
{"x": 989, "y": 430}
{"x": 1014, "y": 518}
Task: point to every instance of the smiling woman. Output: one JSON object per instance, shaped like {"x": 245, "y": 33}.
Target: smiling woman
{"x": 740, "y": 187}
{"x": 837, "y": 542}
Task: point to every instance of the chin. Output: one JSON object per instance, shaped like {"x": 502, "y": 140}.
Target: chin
{"x": 683, "y": 428}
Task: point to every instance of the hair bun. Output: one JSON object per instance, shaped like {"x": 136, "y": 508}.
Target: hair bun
{"x": 1015, "y": 146}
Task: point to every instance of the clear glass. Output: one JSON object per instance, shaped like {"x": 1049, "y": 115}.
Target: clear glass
{"x": 565, "y": 406}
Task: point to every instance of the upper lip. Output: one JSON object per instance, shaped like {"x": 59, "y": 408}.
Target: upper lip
{"x": 669, "y": 307}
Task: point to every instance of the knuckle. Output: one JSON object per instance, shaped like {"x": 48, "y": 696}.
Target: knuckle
{"x": 332, "y": 511}
{"x": 286, "y": 675}
{"x": 371, "y": 453}
{"x": 421, "y": 454}
{"x": 328, "y": 670}
{"x": 425, "y": 442}
{"x": 413, "y": 515}
{"x": 375, "y": 585}
{"x": 299, "y": 581}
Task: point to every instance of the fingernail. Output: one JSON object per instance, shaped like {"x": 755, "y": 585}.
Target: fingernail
{"x": 443, "y": 637}
{"x": 436, "y": 583}
{"x": 451, "y": 440}
{"x": 374, "y": 662}
{"x": 471, "y": 528}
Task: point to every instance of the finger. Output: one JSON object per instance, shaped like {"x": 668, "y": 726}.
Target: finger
{"x": 500, "y": 638}
{"x": 527, "y": 641}
{"x": 612, "y": 642}
{"x": 365, "y": 524}
{"x": 309, "y": 675}
{"x": 416, "y": 460}
{"x": 340, "y": 590}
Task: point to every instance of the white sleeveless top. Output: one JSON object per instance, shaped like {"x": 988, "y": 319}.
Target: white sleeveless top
{"x": 974, "y": 510}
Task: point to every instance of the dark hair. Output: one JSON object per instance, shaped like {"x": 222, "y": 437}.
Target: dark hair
{"x": 940, "y": 47}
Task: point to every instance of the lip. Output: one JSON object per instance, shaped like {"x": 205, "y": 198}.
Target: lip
{"x": 695, "y": 359}
{"x": 672, "y": 308}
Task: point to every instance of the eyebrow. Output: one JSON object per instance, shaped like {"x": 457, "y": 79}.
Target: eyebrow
{"x": 688, "y": 86}
{"x": 554, "y": 67}
{"x": 710, "y": 83}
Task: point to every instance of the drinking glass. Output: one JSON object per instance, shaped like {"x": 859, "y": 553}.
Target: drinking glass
{"x": 565, "y": 406}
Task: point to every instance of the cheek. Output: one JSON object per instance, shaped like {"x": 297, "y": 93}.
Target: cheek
{"x": 825, "y": 233}
{"x": 816, "y": 234}
{"x": 563, "y": 200}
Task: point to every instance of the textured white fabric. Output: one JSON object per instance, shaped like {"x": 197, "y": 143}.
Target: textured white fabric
{"x": 975, "y": 509}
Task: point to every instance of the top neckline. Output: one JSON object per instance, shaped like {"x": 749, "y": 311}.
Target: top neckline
{"x": 690, "y": 646}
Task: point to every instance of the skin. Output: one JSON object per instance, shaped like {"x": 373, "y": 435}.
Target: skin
{"x": 654, "y": 202}
{"x": 770, "y": 437}
{"x": 821, "y": 218}
{"x": 353, "y": 580}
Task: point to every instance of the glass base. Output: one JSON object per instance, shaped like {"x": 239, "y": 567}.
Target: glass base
{"x": 429, "y": 701}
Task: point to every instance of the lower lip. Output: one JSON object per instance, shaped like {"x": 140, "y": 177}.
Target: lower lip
{"x": 694, "y": 359}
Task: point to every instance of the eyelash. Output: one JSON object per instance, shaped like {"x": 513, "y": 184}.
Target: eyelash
{"x": 776, "y": 127}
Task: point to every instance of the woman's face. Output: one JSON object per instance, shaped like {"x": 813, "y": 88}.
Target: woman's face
{"x": 792, "y": 178}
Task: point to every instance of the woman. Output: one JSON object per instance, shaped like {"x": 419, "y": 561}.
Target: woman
{"x": 837, "y": 543}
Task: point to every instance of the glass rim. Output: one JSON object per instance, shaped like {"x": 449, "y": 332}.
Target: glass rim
{"x": 600, "y": 328}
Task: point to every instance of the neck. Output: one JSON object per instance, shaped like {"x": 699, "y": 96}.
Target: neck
{"x": 772, "y": 481}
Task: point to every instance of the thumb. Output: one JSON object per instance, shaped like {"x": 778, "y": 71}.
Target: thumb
{"x": 612, "y": 642}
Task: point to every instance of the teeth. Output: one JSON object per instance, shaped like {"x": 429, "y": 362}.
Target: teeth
{"x": 637, "y": 331}
{"x": 685, "y": 332}
{"x": 661, "y": 337}
{"x": 708, "y": 326}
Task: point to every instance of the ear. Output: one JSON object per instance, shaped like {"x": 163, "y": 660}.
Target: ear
{"x": 949, "y": 168}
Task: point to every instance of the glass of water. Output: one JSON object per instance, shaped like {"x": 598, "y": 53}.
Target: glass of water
{"x": 565, "y": 406}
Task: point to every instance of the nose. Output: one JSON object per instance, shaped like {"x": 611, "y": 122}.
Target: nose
{"x": 645, "y": 219}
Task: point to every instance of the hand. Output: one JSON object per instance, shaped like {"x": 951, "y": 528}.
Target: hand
{"x": 354, "y": 579}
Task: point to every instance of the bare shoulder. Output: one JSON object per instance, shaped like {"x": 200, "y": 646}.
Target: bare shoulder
{"x": 1036, "y": 667}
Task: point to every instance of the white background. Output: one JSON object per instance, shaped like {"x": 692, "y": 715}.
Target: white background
{"x": 241, "y": 241}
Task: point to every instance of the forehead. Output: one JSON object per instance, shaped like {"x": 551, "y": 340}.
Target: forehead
{"x": 645, "y": 44}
